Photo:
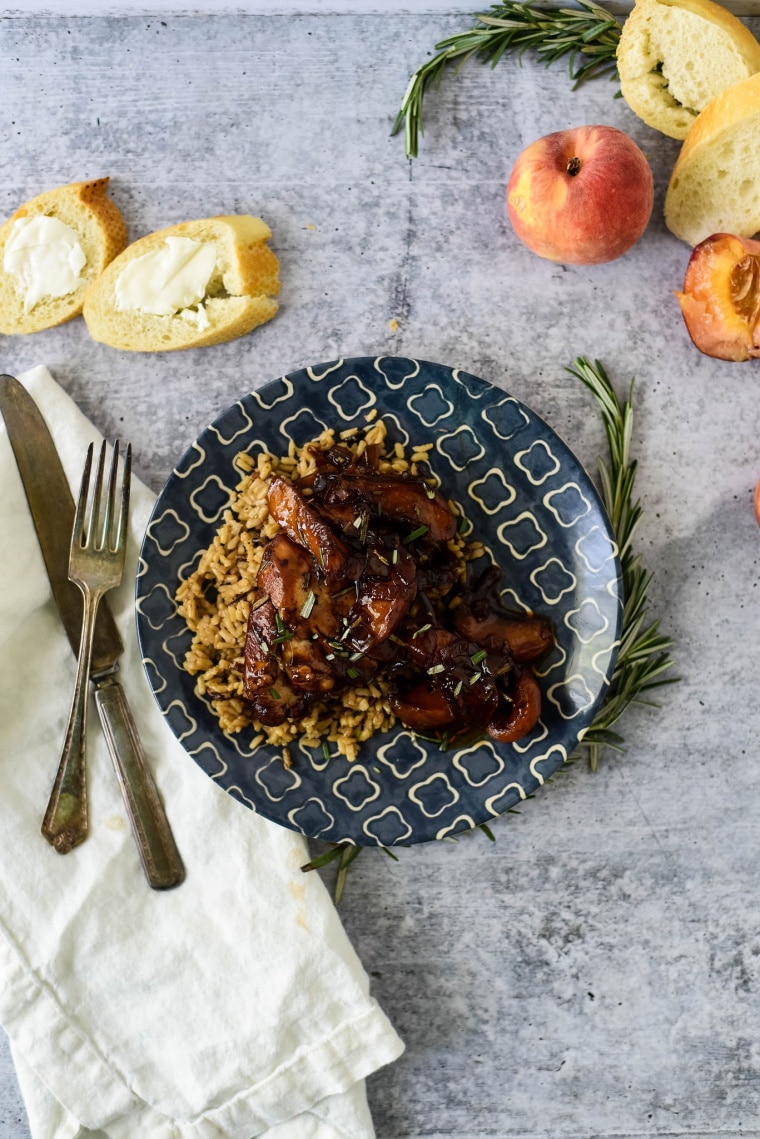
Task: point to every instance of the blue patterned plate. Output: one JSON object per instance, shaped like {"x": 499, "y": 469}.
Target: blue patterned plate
{"x": 528, "y": 500}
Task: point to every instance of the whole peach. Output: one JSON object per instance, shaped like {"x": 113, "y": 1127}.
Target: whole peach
{"x": 581, "y": 196}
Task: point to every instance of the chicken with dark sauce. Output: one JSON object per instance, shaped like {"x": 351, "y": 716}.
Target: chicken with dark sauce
{"x": 363, "y": 580}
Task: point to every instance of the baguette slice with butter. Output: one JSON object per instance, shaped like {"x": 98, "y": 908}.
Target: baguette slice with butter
{"x": 714, "y": 187}
{"x": 188, "y": 286}
{"x": 51, "y": 251}
{"x": 675, "y": 56}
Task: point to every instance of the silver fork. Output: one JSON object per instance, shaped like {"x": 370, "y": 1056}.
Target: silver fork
{"x": 96, "y": 564}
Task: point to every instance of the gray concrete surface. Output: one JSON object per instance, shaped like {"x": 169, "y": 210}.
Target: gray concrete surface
{"x": 595, "y": 970}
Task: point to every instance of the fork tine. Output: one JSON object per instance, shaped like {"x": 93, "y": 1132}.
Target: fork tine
{"x": 78, "y": 533}
{"x": 108, "y": 520}
{"x": 121, "y": 537}
{"x": 95, "y": 529}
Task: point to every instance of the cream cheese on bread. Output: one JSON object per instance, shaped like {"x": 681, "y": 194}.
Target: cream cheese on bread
{"x": 232, "y": 279}
{"x": 45, "y": 258}
{"x": 172, "y": 279}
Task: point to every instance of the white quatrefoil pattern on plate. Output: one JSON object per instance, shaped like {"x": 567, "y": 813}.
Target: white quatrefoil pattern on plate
{"x": 524, "y": 495}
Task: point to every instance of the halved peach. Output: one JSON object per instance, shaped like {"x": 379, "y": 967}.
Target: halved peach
{"x": 720, "y": 301}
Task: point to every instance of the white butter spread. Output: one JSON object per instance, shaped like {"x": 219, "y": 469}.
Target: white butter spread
{"x": 170, "y": 280}
{"x": 45, "y": 257}
{"x": 197, "y": 316}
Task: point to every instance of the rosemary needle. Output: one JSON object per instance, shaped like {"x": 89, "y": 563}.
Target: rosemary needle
{"x": 587, "y": 35}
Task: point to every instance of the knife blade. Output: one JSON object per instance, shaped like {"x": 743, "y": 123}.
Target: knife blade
{"x": 52, "y": 507}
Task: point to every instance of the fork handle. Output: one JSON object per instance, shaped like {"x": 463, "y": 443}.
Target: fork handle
{"x": 155, "y": 842}
{"x": 65, "y": 824}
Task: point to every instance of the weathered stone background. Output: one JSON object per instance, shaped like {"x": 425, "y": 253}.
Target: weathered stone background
{"x": 594, "y": 972}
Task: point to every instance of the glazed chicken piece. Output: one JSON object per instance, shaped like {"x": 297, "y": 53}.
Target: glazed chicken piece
{"x": 481, "y": 618}
{"x": 304, "y": 614}
{"x": 266, "y": 687}
{"x": 392, "y": 499}
{"x": 288, "y": 576}
{"x": 382, "y": 598}
{"x": 527, "y": 638}
{"x": 304, "y": 525}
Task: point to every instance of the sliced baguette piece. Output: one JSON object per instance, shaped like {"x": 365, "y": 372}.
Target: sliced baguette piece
{"x": 715, "y": 184}
{"x": 676, "y": 56}
{"x": 240, "y": 297}
{"x": 101, "y": 233}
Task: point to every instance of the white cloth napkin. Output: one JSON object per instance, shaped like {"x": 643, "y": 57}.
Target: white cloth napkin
{"x": 231, "y": 1007}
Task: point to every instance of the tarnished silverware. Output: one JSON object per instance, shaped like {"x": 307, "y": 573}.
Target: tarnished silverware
{"x": 52, "y": 508}
{"x": 96, "y": 563}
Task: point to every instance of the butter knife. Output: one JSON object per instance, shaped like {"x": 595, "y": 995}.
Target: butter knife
{"x": 52, "y": 507}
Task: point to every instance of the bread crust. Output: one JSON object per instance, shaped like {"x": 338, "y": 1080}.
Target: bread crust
{"x": 699, "y": 165}
{"x": 734, "y": 55}
{"x": 250, "y": 276}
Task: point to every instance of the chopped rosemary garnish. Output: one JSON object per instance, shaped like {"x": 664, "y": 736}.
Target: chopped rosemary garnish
{"x": 422, "y": 629}
{"x": 279, "y": 623}
{"x": 325, "y": 749}
{"x": 477, "y": 657}
{"x": 286, "y": 636}
{"x": 274, "y": 694}
{"x": 261, "y": 601}
{"x": 588, "y": 35}
{"x": 308, "y": 604}
{"x": 343, "y": 592}
{"x": 643, "y": 654}
{"x": 418, "y": 533}
{"x": 352, "y": 672}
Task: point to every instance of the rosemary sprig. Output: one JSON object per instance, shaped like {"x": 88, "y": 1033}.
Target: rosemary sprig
{"x": 643, "y": 655}
{"x": 588, "y": 35}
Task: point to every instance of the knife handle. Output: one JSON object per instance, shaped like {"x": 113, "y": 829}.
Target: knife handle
{"x": 158, "y": 851}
